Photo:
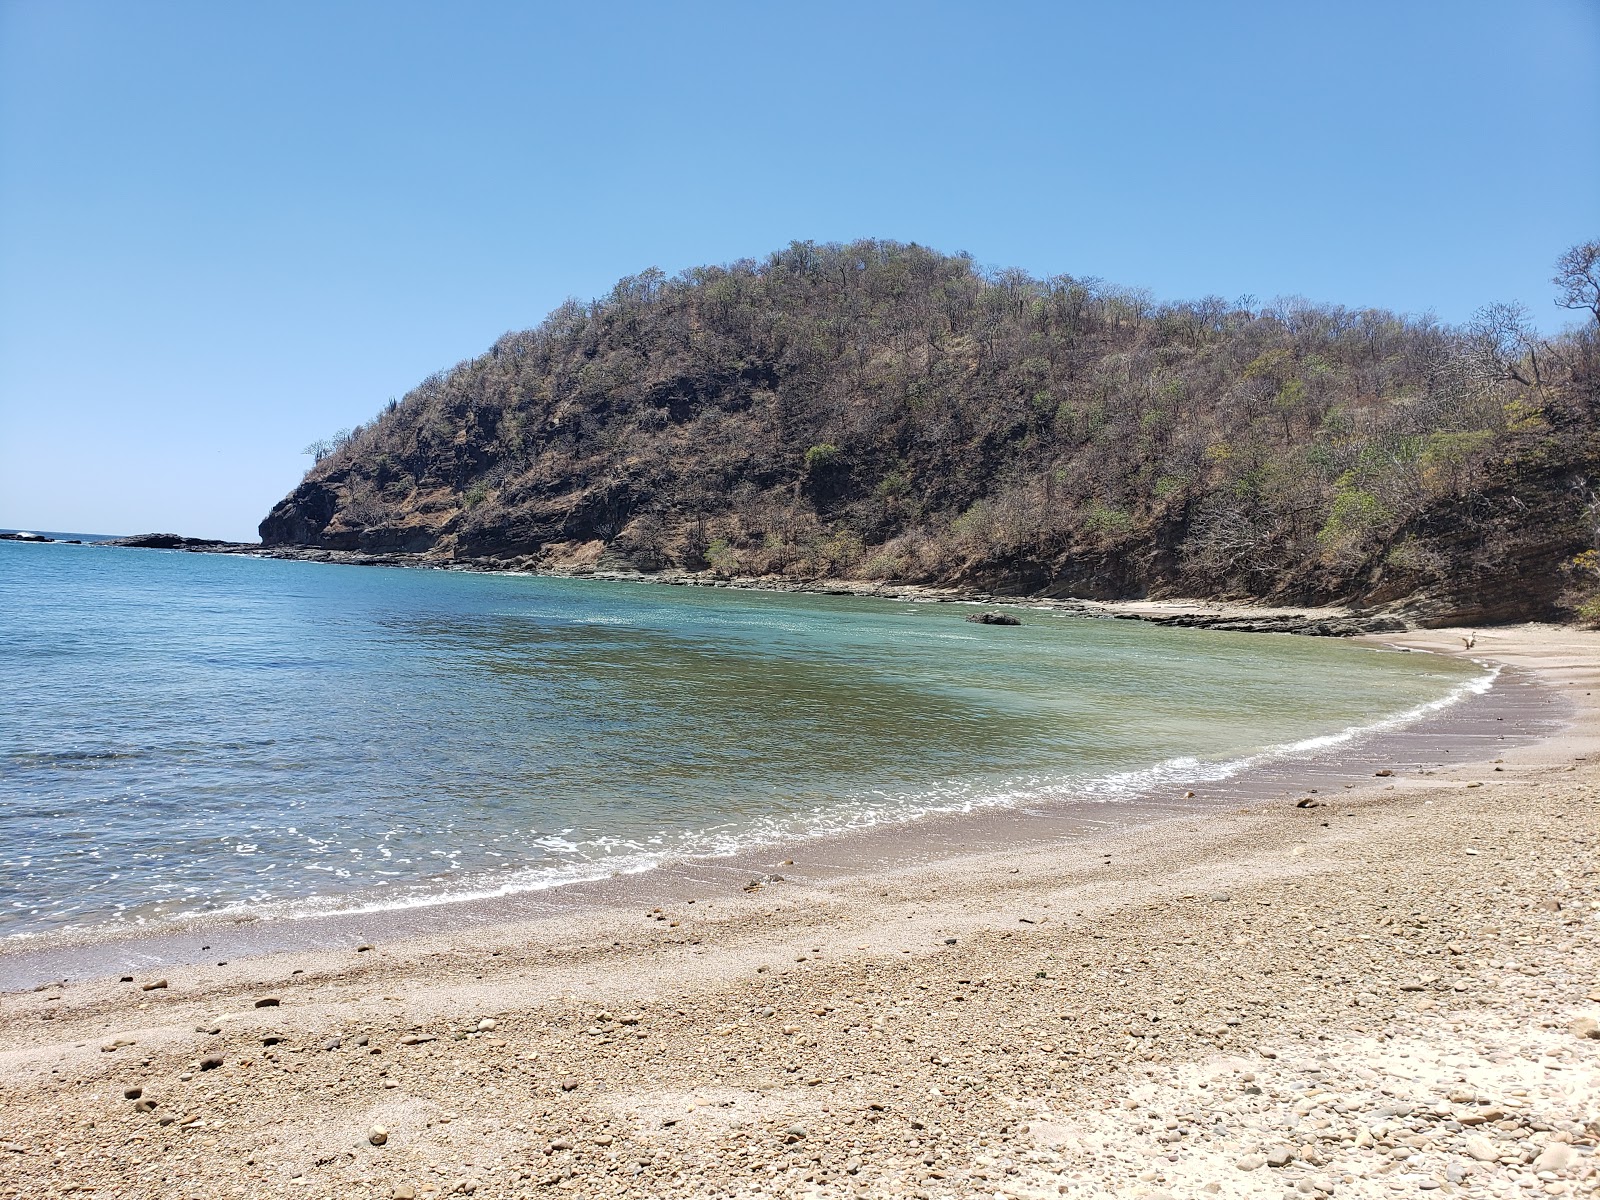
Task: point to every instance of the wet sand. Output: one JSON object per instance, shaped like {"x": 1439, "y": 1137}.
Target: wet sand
{"x": 1148, "y": 1009}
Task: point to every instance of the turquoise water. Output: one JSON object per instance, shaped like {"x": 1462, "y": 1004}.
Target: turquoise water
{"x": 185, "y": 733}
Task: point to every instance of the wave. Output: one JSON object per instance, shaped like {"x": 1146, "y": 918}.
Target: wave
{"x": 614, "y": 857}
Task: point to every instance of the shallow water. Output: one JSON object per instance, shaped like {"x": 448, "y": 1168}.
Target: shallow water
{"x": 183, "y": 734}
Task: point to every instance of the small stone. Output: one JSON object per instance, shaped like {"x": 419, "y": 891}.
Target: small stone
{"x": 1251, "y": 1162}
{"x": 794, "y": 1133}
{"x": 1219, "y": 897}
{"x": 211, "y": 1062}
{"x": 569, "y": 1084}
{"x": 332, "y": 1043}
{"x": 605, "y": 1139}
{"x": 132, "y": 1093}
{"x": 268, "y": 1002}
{"x": 150, "y": 987}
{"x": 145, "y": 1106}
{"x": 487, "y": 1025}
{"x": 377, "y": 1135}
{"x": 404, "y": 1191}
{"x": 1383, "y": 774}
{"x": 1280, "y": 1156}
{"x": 1482, "y": 1149}
{"x": 1585, "y": 1027}
{"x": 362, "y": 949}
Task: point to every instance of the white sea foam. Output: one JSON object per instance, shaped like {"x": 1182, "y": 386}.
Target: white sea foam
{"x": 608, "y": 857}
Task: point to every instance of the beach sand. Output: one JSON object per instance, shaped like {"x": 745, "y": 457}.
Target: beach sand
{"x": 1391, "y": 990}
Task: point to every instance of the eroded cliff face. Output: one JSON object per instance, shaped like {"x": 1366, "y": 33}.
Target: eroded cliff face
{"x": 301, "y": 517}
{"x": 882, "y": 412}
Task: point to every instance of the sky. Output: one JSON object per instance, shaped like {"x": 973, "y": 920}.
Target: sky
{"x": 228, "y": 230}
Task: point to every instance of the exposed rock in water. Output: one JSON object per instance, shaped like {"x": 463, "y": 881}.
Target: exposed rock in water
{"x": 994, "y": 618}
{"x": 167, "y": 541}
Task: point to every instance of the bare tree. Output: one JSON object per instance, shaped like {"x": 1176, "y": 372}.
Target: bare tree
{"x": 322, "y": 447}
{"x": 1578, "y": 277}
{"x": 1501, "y": 343}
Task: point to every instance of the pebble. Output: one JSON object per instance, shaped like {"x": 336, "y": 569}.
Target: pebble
{"x": 1585, "y": 1027}
{"x": 377, "y": 1135}
{"x": 1356, "y": 1100}
{"x": 150, "y": 987}
{"x": 268, "y": 1002}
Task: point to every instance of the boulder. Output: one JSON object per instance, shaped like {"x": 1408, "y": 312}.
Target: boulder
{"x": 993, "y": 618}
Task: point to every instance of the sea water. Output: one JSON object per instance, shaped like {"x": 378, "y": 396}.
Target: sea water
{"x": 185, "y": 733}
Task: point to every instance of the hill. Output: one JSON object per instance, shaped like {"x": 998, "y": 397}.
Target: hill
{"x": 879, "y": 410}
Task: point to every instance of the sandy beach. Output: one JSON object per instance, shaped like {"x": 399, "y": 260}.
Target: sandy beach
{"x": 1378, "y": 989}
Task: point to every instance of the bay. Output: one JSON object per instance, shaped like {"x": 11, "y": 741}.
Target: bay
{"x": 184, "y": 734}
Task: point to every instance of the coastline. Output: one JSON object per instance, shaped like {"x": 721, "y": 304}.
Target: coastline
{"x": 1151, "y": 1009}
{"x": 1477, "y": 720}
{"x": 1240, "y": 616}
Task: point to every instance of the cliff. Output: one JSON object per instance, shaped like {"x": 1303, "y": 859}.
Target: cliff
{"x": 881, "y": 411}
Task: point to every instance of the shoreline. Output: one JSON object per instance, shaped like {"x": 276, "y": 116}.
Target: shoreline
{"x": 1239, "y": 616}
{"x": 1387, "y": 993}
{"x": 1514, "y": 709}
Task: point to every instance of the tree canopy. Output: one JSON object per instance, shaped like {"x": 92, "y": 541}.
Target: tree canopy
{"x": 881, "y": 410}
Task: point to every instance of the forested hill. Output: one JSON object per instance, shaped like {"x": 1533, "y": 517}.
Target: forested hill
{"x": 883, "y": 411}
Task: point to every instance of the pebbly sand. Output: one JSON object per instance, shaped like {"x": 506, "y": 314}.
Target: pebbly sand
{"x": 1390, "y": 991}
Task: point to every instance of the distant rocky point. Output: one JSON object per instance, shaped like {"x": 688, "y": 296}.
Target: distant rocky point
{"x": 174, "y": 541}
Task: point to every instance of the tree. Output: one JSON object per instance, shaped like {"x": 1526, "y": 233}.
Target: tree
{"x": 323, "y": 447}
{"x": 1500, "y": 340}
{"x": 1578, "y": 277}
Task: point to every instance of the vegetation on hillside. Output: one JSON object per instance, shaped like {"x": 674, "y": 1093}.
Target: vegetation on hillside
{"x": 879, "y": 410}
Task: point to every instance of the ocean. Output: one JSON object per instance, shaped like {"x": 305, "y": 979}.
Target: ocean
{"x": 186, "y": 734}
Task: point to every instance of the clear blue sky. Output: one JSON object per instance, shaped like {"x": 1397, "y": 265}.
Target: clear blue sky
{"x": 229, "y": 229}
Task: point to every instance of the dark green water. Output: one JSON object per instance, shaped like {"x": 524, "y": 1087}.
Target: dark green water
{"x": 188, "y": 733}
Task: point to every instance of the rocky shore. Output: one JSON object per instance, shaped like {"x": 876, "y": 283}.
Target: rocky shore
{"x": 1390, "y": 990}
{"x": 1234, "y": 616}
